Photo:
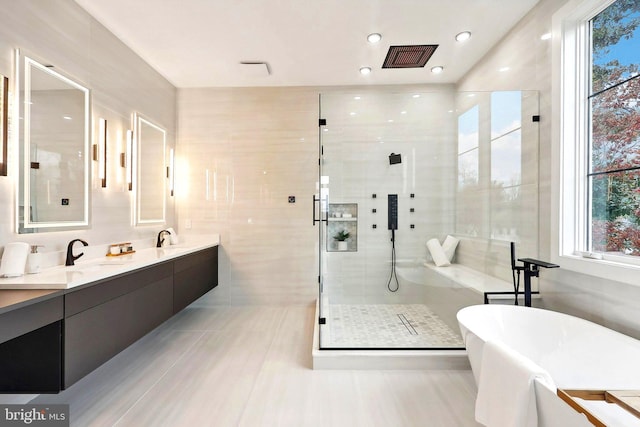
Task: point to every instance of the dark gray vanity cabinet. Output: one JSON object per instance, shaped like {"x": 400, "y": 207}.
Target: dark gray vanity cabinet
{"x": 105, "y": 318}
{"x": 30, "y": 348}
{"x": 50, "y": 339}
{"x": 193, "y": 276}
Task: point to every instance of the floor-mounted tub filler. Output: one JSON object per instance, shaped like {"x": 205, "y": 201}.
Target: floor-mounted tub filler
{"x": 523, "y": 358}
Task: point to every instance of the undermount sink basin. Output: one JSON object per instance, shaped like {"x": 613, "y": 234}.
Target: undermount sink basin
{"x": 84, "y": 268}
{"x": 171, "y": 248}
{"x": 89, "y": 268}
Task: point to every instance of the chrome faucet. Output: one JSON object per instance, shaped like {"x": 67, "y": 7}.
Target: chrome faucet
{"x": 160, "y": 238}
{"x": 70, "y": 257}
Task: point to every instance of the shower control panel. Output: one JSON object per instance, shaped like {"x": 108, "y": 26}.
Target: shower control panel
{"x": 392, "y": 211}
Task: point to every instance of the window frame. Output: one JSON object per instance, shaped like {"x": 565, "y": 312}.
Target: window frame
{"x": 571, "y": 125}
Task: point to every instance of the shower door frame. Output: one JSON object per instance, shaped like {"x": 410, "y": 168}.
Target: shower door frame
{"x": 321, "y": 206}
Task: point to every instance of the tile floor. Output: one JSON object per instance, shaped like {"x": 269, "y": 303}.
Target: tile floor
{"x": 386, "y": 325}
{"x": 251, "y": 366}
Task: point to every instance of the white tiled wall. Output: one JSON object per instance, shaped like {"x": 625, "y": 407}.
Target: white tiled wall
{"x": 61, "y": 33}
{"x": 242, "y": 153}
{"x": 419, "y": 124}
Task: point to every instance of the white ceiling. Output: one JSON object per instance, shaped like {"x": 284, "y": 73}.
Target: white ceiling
{"x": 200, "y": 43}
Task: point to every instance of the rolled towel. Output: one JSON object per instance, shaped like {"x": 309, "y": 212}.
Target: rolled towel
{"x": 14, "y": 259}
{"x": 439, "y": 257}
{"x": 449, "y": 246}
{"x": 173, "y": 237}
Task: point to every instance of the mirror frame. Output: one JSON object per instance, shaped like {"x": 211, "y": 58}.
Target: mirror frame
{"x": 139, "y": 121}
{"x": 26, "y": 225}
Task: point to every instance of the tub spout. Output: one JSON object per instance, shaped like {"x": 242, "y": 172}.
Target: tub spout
{"x": 532, "y": 269}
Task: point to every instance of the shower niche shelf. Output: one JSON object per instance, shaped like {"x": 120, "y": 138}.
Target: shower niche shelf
{"x": 342, "y": 217}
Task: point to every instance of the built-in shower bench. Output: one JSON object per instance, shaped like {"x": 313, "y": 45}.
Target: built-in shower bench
{"x": 490, "y": 288}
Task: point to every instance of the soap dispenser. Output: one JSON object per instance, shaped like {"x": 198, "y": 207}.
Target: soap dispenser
{"x": 34, "y": 260}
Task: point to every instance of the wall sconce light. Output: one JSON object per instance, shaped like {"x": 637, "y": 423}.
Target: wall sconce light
{"x": 4, "y": 121}
{"x": 100, "y": 152}
{"x": 171, "y": 171}
{"x": 129, "y": 159}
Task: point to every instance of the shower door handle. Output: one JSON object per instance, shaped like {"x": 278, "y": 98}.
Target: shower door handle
{"x": 319, "y": 211}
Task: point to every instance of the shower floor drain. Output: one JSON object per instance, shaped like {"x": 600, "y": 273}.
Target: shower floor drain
{"x": 407, "y": 324}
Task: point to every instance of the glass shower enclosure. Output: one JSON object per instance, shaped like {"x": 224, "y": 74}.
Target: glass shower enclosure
{"x": 398, "y": 167}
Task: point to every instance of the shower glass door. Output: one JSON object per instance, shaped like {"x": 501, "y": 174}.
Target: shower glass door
{"x": 457, "y": 163}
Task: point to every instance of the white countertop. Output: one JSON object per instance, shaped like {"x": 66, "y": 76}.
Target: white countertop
{"x": 92, "y": 270}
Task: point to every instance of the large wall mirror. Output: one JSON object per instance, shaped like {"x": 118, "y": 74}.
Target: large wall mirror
{"x": 151, "y": 172}
{"x": 54, "y": 149}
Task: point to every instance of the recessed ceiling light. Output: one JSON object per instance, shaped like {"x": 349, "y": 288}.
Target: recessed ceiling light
{"x": 374, "y": 37}
{"x": 357, "y": 97}
{"x": 365, "y": 70}
{"x": 66, "y": 117}
{"x": 545, "y": 36}
{"x": 503, "y": 69}
{"x": 352, "y": 113}
{"x": 437, "y": 69}
{"x": 403, "y": 112}
{"x": 465, "y": 35}
{"x": 417, "y": 95}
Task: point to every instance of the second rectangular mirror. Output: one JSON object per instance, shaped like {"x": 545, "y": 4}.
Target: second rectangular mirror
{"x": 150, "y": 161}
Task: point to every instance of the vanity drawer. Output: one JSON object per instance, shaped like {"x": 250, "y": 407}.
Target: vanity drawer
{"x": 95, "y": 335}
{"x": 194, "y": 276}
{"x": 108, "y": 289}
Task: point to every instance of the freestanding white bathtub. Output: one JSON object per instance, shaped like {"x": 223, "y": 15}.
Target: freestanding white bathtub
{"x": 578, "y": 354}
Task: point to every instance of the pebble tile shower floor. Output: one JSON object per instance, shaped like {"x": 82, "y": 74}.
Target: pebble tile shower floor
{"x": 386, "y": 326}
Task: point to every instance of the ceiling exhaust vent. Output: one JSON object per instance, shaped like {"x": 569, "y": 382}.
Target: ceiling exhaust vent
{"x": 255, "y": 69}
{"x": 411, "y": 56}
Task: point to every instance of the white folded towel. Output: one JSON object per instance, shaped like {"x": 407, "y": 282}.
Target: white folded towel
{"x": 439, "y": 257}
{"x": 506, "y": 393}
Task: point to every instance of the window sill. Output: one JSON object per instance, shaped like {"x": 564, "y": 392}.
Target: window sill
{"x": 602, "y": 268}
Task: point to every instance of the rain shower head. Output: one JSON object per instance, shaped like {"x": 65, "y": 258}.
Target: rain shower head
{"x": 394, "y": 159}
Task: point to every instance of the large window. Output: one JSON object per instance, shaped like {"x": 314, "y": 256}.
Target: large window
{"x": 614, "y": 138}
{"x": 597, "y": 92}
